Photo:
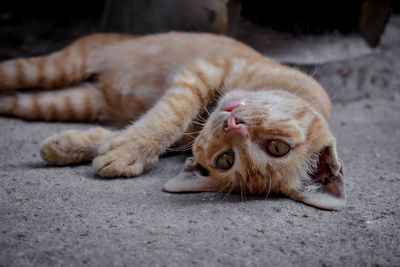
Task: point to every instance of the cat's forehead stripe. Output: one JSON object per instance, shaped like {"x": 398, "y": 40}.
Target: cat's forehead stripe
{"x": 311, "y": 127}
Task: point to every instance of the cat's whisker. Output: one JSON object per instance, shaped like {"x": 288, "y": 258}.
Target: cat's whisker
{"x": 225, "y": 197}
{"x": 241, "y": 190}
{"x": 269, "y": 187}
{"x": 191, "y": 133}
{"x": 220, "y": 91}
{"x": 227, "y": 194}
{"x": 298, "y": 91}
{"x": 199, "y": 117}
{"x": 200, "y": 143}
{"x": 185, "y": 145}
{"x": 199, "y": 123}
{"x": 316, "y": 70}
{"x": 223, "y": 89}
{"x": 337, "y": 91}
{"x": 182, "y": 148}
{"x": 292, "y": 86}
{"x": 177, "y": 150}
{"x": 208, "y": 112}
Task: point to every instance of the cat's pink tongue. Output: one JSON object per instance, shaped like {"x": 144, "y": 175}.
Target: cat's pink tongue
{"x": 232, "y": 124}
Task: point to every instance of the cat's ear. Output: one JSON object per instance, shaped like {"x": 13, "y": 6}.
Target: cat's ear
{"x": 193, "y": 178}
{"x": 328, "y": 177}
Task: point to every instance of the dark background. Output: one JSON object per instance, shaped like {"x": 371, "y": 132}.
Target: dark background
{"x": 52, "y": 24}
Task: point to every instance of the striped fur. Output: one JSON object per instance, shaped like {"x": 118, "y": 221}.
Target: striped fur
{"x": 161, "y": 87}
{"x": 78, "y": 103}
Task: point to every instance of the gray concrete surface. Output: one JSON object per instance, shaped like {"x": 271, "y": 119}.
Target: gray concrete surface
{"x": 69, "y": 217}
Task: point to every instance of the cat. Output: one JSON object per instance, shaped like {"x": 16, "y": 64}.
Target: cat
{"x": 254, "y": 126}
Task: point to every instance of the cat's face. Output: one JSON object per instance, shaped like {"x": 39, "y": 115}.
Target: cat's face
{"x": 265, "y": 142}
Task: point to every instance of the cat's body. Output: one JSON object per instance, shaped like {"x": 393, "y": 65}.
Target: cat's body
{"x": 169, "y": 81}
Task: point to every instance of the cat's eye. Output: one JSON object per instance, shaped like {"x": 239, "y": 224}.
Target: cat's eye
{"x": 225, "y": 161}
{"x": 277, "y": 148}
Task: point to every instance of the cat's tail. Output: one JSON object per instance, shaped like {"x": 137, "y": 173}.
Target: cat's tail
{"x": 83, "y": 102}
{"x": 65, "y": 67}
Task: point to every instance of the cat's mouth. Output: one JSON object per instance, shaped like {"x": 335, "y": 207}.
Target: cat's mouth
{"x": 233, "y": 123}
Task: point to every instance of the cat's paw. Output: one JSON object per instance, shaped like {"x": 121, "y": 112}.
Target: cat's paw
{"x": 123, "y": 158}
{"x": 65, "y": 148}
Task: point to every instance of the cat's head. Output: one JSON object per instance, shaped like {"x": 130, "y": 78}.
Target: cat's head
{"x": 265, "y": 142}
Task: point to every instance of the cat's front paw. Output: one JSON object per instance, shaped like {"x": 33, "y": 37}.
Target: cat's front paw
{"x": 69, "y": 147}
{"x": 123, "y": 159}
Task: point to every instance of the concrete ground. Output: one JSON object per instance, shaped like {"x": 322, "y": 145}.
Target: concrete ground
{"x": 67, "y": 216}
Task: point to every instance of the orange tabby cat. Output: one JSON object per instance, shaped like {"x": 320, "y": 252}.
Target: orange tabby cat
{"x": 267, "y": 133}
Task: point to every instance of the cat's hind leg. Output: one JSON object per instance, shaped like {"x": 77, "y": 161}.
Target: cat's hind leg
{"x": 83, "y": 102}
{"x": 72, "y": 147}
{"x": 68, "y": 66}
{"x": 65, "y": 67}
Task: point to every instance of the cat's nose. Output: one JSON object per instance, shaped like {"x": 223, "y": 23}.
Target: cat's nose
{"x": 230, "y": 106}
